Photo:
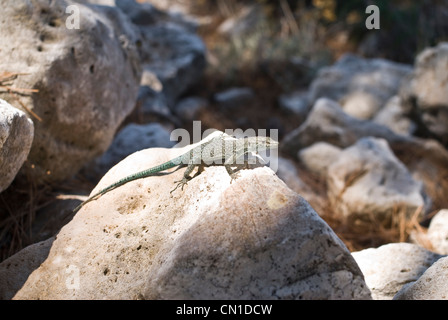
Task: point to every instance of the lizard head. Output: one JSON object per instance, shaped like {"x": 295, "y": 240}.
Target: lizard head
{"x": 257, "y": 144}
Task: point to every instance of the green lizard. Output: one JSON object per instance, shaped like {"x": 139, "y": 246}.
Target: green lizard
{"x": 221, "y": 150}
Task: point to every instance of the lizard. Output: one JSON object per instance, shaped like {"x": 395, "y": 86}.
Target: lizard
{"x": 221, "y": 150}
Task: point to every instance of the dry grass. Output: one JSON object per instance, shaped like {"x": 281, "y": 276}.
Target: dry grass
{"x": 29, "y": 212}
{"x": 358, "y": 235}
{"x": 275, "y": 37}
{"x": 18, "y": 205}
{"x": 19, "y": 202}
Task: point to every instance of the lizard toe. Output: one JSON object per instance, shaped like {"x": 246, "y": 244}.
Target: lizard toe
{"x": 181, "y": 184}
{"x": 234, "y": 176}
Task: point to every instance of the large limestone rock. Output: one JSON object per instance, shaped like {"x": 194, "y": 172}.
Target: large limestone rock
{"x": 87, "y": 78}
{"x": 425, "y": 93}
{"x": 16, "y": 137}
{"x": 388, "y": 268}
{"x": 361, "y": 86}
{"x": 252, "y": 239}
{"x": 367, "y": 180}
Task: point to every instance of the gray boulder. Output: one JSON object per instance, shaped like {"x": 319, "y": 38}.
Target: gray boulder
{"x": 188, "y": 109}
{"x": 318, "y": 157}
{"x": 425, "y": 93}
{"x": 291, "y": 175}
{"x": 295, "y": 104}
{"x": 130, "y": 139}
{"x": 368, "y": 182}
{"x": 175, "y": 55}
{"x": 16, "y": 137}
{"x": 144, "y": 13}
{"x": 431, "y": 285}
{"x": 173, "y": 58}
{"x": 388, "y": 268}
{"x": 87, "y": 78}
{"x": 361, "y": 86}
{"x": 287, "y": 171}
{"x": 438, "y": 232}
{"x": 393, "y": 116}
{"x": 234, "y": 98}
{"x": 15, "y": 270}
{"x": 327, "y": 122}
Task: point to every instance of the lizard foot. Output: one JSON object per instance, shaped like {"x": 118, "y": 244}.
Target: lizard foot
{"x": 234, "y": 176}
{"x": 181, "y": 184}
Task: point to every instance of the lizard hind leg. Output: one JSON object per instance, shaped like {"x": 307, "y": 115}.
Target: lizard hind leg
{"x": 184, "y": 181}
{"x": 181, "y": 184}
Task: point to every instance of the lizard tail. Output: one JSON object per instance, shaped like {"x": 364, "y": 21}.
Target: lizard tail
{"x": 113, "y": 186}
{"x": 132, "y": 177}
{"x": 78, "y": 207}
{"x": 90, "y": 199}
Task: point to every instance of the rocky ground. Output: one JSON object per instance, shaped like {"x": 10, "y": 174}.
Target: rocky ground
{"x": 356, "y": 210}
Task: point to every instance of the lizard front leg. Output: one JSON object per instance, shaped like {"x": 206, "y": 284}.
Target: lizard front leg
{"x": 233, "y": 175}
{"x": 186, "y": 177}
{"x": 228, "y": 165}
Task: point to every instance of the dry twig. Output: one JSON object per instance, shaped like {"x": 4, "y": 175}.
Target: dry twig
{"x": 5, "y": 84}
